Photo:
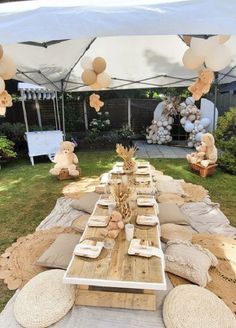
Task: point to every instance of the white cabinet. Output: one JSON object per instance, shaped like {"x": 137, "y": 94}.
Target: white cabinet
{"x": 43, "y": 143}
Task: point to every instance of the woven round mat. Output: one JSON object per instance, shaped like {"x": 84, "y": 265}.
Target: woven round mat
{"x": 79, "y": 223}
{"x": 170, "y": 198}
{"x": 44, "y": 300}
{"x": 194, "y": 193}
{"x": 170, "y": 231}
{"x": 196, "y": 307}
{"x": 223, "y": 276}
{"x": 17, "y": 263}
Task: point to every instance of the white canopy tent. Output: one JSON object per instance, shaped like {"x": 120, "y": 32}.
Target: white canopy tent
{"x": 138, "y": 38}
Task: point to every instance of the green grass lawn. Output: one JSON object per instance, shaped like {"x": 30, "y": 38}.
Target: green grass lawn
{"x": 28, "y": 194}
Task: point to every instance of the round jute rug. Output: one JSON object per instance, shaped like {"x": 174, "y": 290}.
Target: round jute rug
{"x": 196, "y": 307}
{"x": 17, "y": 262}
{"x": 194, "y": 193}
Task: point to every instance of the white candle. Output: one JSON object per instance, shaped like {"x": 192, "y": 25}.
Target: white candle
{"x": 124, "y": 179}
{"x": 129, "y": 231}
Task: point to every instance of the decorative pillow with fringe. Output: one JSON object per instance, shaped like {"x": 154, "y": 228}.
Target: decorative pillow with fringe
{"x": 189, "y": 261}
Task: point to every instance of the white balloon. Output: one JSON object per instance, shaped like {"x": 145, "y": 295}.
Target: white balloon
{"x": 183, "y": 112}
{"x": 166, "y": 132}
{"x": 190, "y": 144}
{"x": 200, "y": 127}
{"x": 191, "y": 60}
{"x": 86, "y": 63}
{"x": 219, "y": 58}
{"x": 170, "y": 120}
{"x": 188, "y": 126}
{"x": 183, "y": 120}
{"x": 169, "y": 127}
{"x": 189, "y": 100}
{"x": 205, "y": 122}
{"x": 161, "y": 128}
{"x": 2, "y": 85}
{"x": 223, "y": 38}
{"x": 198, "y": 136}
{"x": 165, "y": 123}
{"x": 191, "y": 117}
{"x": 159, "y": 123}
{"x": 159, "y": 142}
{"x": 202, "y": 47}
{"x": 183, "y": 104}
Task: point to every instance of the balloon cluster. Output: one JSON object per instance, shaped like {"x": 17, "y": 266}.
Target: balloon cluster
{"x": 212, "y": 51}
{"x": 7, "y": 71}
{"x": 94, "y": 74}
{"x": 159, "y": 132}
{"x": 39, "y": 94}
{"x": 192, "y": 123}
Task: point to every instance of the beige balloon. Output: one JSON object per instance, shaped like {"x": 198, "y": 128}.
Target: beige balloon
{"x": 99, "y": 65}
{"x": 104, "y": 80}
{"x": 219, "y": 59}
{"x": 223, "y": 38}
{"x": 1, "y": 51}
{"x": 96, "y": 86}
{"x": 89, "y": 77}
{"x": 2, "y": 85}
{"x": 7, "y": 67}
{"x": 191, "y": 60}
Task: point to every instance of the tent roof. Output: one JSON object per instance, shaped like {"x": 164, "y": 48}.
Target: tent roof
{"x": 133, "y": 36}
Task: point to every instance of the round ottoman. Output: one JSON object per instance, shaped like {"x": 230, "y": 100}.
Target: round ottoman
{"x": 196, "y": 307}
{"x": 170, "y": 231}
{"x": 44, "y": 300}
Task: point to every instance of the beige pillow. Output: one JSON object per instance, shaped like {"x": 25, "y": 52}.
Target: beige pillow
{"x": 189, "y": 261}
{"x": 170, "y": 231}
{"x": 171, "y": 186}
{"x": 59, "y": 254}
{"x": 86, "y": 202}
{"x": 171, "y": 213}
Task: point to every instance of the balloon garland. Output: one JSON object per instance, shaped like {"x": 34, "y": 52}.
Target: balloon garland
{"x": 7, "y": 71}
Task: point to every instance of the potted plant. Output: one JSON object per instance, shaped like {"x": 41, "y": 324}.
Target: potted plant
{"x": 6, "y": 150}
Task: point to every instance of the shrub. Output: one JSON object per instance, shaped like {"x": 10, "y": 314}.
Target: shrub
{"x": 15, "y": 132}
{"x": 101, "y": 123}
{"x": 226, "y": 141}
{"x": 125, "y": 132}
{"x": 6, "y": 149}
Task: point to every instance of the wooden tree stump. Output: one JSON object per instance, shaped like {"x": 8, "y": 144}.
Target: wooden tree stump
{"x": 64, "y": 174}
{"x": 203, "y": 171}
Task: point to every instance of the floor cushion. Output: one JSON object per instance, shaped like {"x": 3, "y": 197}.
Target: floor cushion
{"x": 59, "y": 254}
{"x": 171, "y": 199}
{"x": 86, "y": 202}
{"x": 189, "y": 261}
{"x": 172, "y": 186}
{"x": 191, "y": 306}
{"x": 171, "y": 213}
{"x": 44, "y": 300}
{"x": 170, "y": 231}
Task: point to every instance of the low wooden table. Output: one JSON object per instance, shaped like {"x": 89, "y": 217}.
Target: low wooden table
{"x": 117, "y": 279}
{"x": 204, "y": 171}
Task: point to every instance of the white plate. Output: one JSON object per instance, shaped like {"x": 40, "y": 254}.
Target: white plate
{"x": 142, "y": 201}
{"x": 145, "y": 251}
{"x": 86, "y": 250}
{"x": 149, "y": 220}
{"x": 98, "y": 221}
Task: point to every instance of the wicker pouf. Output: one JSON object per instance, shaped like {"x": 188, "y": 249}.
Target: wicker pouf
{"x": 196, "y": 307}
{"x": 170, "y": 231}
{"x": 44, "y": 300}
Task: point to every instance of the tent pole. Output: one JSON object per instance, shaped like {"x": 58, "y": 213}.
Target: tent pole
{"x": 58, "y": 114}
{"x": 55, "y": 114}
{"x": 215, "y": 100}
{"x": 85, "y": 115}
{"x": 129, "y": 113}
{"x": 24, "y": 110}
{"x": 63, "y": 109}
{"x": 38, "y": 112}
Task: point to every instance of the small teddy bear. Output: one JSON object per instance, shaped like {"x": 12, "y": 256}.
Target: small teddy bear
{"x": 95, "y": 102}
{"x": 115, "y": 225}
{"x": 65, "y": 159}
{"x": 199, "y": 155}
{"x": 202, "y": 85}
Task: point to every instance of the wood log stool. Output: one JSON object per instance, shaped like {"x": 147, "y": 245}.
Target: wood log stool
{"x": 64, "y": 174}
{"x": 203, "y": 171}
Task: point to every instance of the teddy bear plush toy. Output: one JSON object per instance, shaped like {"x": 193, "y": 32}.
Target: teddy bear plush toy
{"x": 199, "y": 155}
{"x": 115, "y": 225}
{"x": 65, "y": 159}
{"x": 211, "y": 150}
{"x": 202, "y": 85}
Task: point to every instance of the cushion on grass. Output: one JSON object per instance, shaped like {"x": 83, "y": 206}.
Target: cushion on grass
{"x": 59, "y": 254}
{"x": 189, "y": 261}
{"x": 170, "y": 231}
{"x": 172, "y": 186}
{"x": 196, "y": 307}
{"x": 44, "y": 300}
{"x": 86, "y": 202}
{"x": 171, "y": 213}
